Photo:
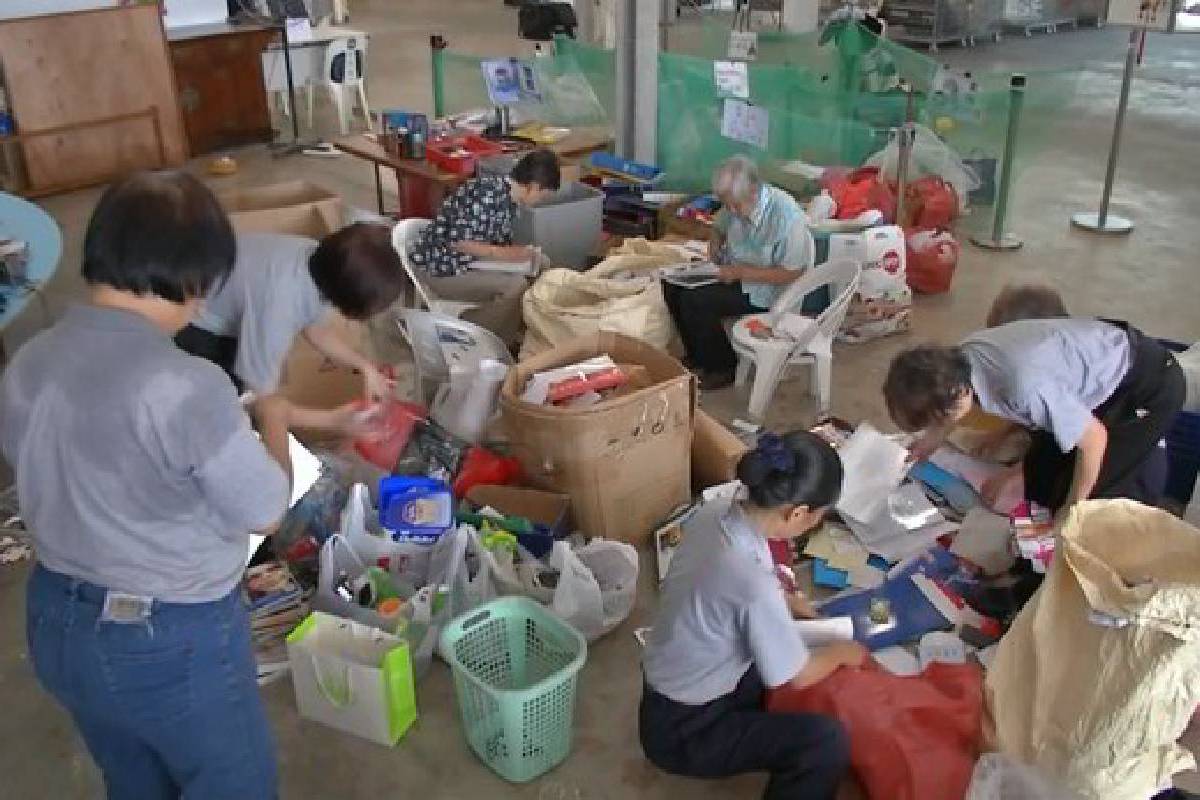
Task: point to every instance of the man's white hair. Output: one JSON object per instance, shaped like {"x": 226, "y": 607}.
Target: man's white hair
{"x": 736, "y": 177}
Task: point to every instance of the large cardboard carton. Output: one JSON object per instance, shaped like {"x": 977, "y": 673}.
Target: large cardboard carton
{"x": 716, "y": 452}
{"x": 313, "y": 381}
{"x": 295, "y": 207}
{"x": 624, "y": 462}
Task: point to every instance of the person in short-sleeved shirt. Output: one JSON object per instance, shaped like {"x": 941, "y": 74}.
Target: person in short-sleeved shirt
{"x": 761, "y": 242}
{"x": 1097, "y": 395}
{"x": 285, "y": 286}
{"x": 139, "y": 478}
{"x": 724, "y": 634}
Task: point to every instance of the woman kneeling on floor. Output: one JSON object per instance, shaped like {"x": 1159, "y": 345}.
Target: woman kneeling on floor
{"x": 760, "y": 240}
{"x": 724, "y": 634}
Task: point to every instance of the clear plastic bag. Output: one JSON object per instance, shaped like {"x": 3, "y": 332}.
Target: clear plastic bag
{"x": 930, "y": 156}
{"x": 998, "y": 777}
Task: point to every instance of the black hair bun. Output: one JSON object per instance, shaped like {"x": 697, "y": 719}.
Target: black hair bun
{"x": 753, "y": 469}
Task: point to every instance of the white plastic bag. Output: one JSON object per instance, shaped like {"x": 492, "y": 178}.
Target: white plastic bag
{"x": 407, "y": 561}
{"x": 597, "y": 585}
{"x": 930, "y": 156}
{"x": 998, "y": 777}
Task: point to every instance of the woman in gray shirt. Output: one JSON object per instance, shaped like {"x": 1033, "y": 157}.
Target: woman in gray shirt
{"x": 724, "y": 634}
{"x": 139, "y": 477}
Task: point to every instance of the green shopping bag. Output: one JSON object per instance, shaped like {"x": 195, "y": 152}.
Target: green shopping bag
{"x": 352, "y": 677}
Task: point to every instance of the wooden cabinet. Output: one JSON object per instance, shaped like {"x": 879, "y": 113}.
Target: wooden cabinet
{"x": 218, "y": 72}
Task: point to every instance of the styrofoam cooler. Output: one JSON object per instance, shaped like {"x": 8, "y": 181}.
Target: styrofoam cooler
{"x": 566, "y": 227}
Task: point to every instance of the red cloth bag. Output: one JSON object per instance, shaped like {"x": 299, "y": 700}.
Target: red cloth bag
{"x": 932, "y": 260}
{"x": 911, "y": 738}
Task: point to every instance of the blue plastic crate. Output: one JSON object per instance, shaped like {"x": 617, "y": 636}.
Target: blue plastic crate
{"x": 1183, "y": 447}
{"x": 638, "y": 172}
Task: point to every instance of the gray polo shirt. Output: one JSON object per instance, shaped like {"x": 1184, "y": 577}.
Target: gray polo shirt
{"x": 1048, "y": 374}
{"x": 722, "y": 611}
{"x": 267, "y": 301}
{"x": 136, "y": 466}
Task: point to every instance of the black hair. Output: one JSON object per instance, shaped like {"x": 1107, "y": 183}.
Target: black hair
{"x": 159, "y": 233}
{"x": 538, "y": 167}
{"x": 798, "y": 468}
{"x": 357, "y": 270}
{"x": 1025, "y": 301}
{"x": 924, "y": 384}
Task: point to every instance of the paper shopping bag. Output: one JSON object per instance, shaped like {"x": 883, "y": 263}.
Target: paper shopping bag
{"x": 352, "y": 677}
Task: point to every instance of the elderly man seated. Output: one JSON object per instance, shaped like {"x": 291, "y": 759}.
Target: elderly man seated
{"x": 759, "y": 240}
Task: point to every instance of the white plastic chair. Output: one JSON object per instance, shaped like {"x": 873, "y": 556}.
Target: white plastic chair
{"x": 771, "y": 357}
{"x": 441, "y": 343}
{"x": 352, "y": 53}
{"x": 404, "y": 236}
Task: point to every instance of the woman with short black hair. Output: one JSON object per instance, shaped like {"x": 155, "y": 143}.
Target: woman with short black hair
{"x": 286, "y": 286}
{"x": 139, "y": 478}
{"x": 723, "y": 634}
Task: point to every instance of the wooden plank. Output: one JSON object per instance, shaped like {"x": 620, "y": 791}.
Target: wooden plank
{"x": 63, "y": 70}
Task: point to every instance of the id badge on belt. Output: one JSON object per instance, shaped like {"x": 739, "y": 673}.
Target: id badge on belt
{"x": 126, "y": 608}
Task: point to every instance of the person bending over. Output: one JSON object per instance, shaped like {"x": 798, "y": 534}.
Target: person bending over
{"x": 1018, "y": 301}
{"x": 760, "y": 240}
{"x": 1097, "y": 397}
{"x": 723, "y": 634}
{"x": 475, "y": 223}
{"x": 284, "y": 286}
{"x": 140, "y": 478}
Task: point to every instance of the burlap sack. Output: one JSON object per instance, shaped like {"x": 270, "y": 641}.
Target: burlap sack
{"x": 1100, "y": 673}
{"x": 563, "y": 305}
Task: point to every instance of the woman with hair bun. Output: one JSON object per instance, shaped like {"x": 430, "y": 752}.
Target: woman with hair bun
{"x": 724, "y": 635}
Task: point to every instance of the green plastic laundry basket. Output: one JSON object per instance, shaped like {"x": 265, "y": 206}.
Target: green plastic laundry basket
{"x": 515, "y": 669}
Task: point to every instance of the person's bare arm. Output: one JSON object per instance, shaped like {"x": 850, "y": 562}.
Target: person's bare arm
{"x": 495, "y": 252}
{"x": 1088, "y": 461}
{"x": 328, "y": 340}
{"x": 824, "y": 661}
{"x": 716, "y": 246}
{"x": 272, "y": 418}
{"x": 778, "y": 276}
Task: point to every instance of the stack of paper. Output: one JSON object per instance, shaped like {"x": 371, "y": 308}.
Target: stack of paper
{"x": 276, "y": 607}
{"x": 873, "y": 466}
{"x": 903, "y": 526}
{"x": 837, "y": 549}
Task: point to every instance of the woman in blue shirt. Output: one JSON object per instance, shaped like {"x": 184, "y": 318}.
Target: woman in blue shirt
{"x": 724, "y": 634}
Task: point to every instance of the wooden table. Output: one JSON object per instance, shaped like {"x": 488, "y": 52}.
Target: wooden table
{"x": 422, "y": 185}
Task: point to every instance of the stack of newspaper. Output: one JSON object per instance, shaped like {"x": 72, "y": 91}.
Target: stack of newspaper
{"x": 277, "y": 605}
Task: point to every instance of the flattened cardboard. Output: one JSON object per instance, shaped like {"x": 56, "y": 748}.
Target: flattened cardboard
{"x": 626, "y": 461}
{"x": 551, "y": 509}
{"x": 294, "y": 207}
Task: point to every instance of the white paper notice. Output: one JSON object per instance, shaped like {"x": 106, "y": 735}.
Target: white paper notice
{"x": 299, "y": 30}
{"x": 731, "y": 78}
{"x": 820, "y": 632}
{"x": 743, "y": 122}
{"x": 743, "y": 45}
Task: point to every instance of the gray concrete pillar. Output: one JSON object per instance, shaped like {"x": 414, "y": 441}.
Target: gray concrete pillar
{"x": 637, "y": 79}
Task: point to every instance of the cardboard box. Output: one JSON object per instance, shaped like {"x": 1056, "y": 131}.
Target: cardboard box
{"x": 295, "y": 207}
{"x": 715, "y": 452}
{"x": 310, "y": 379}
{"x": 547, "y": 508}
{"x": 624, "y": 462}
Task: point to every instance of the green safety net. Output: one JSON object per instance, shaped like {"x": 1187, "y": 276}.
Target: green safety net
{"x": 831, "y": 99}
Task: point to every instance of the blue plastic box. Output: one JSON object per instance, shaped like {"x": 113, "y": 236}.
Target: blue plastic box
{"x": 415, "y": 509}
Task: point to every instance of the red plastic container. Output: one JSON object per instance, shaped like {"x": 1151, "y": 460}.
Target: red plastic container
{"x": 441, "y": 152}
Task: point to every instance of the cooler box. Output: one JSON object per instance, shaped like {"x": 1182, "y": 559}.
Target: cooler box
{"x": 567, "y": 227}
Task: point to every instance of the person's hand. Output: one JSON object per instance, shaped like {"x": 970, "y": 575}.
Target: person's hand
{"x": 354, "y": 421}
{"x": 729, "y": 274}
{"x": 851, "y": 654}
{"x": 923, "y": 447}
{"x": 800, "y": 606}
{"x": 377, "y": 386}
{"x": 993, "y": 488}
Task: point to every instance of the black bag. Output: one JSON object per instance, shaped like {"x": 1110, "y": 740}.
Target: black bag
{"x": 540, "y": 22}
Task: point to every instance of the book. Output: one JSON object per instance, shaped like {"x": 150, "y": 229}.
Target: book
{"x": 690, "y": 275}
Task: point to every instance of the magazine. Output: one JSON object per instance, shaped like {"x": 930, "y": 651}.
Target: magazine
{"x": 691, "y": 275}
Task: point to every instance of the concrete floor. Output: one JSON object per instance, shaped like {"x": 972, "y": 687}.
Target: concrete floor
{"x": 1148, "y": 278}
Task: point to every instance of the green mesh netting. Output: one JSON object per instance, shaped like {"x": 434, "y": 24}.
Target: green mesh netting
{"x": 832, "y": 99}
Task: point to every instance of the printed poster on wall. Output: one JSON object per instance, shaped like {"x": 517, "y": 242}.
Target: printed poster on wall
{"x": 743, "y": 45}
{"x": 732, "y": 79}
{"x": 746, "y": 123}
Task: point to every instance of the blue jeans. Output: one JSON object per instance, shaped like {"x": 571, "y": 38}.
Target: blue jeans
{"x": 169, "y": 706}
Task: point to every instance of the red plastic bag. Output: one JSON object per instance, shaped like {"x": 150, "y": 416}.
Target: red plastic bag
{"x": 396, "y": 422}
{"x": 931, "y": 203}
{"x": 482, "y": 467}
{"x": 914, "y": 738}
{"x": 932, "y": 259}
{"x": 858, "y": 191}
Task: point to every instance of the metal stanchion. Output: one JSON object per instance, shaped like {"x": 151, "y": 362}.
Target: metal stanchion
{"x": 907, "y": 135}
{"x": 1103, "y": 222}
{"x": 437, "y": 47}
{"x": 999, "y": 240}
